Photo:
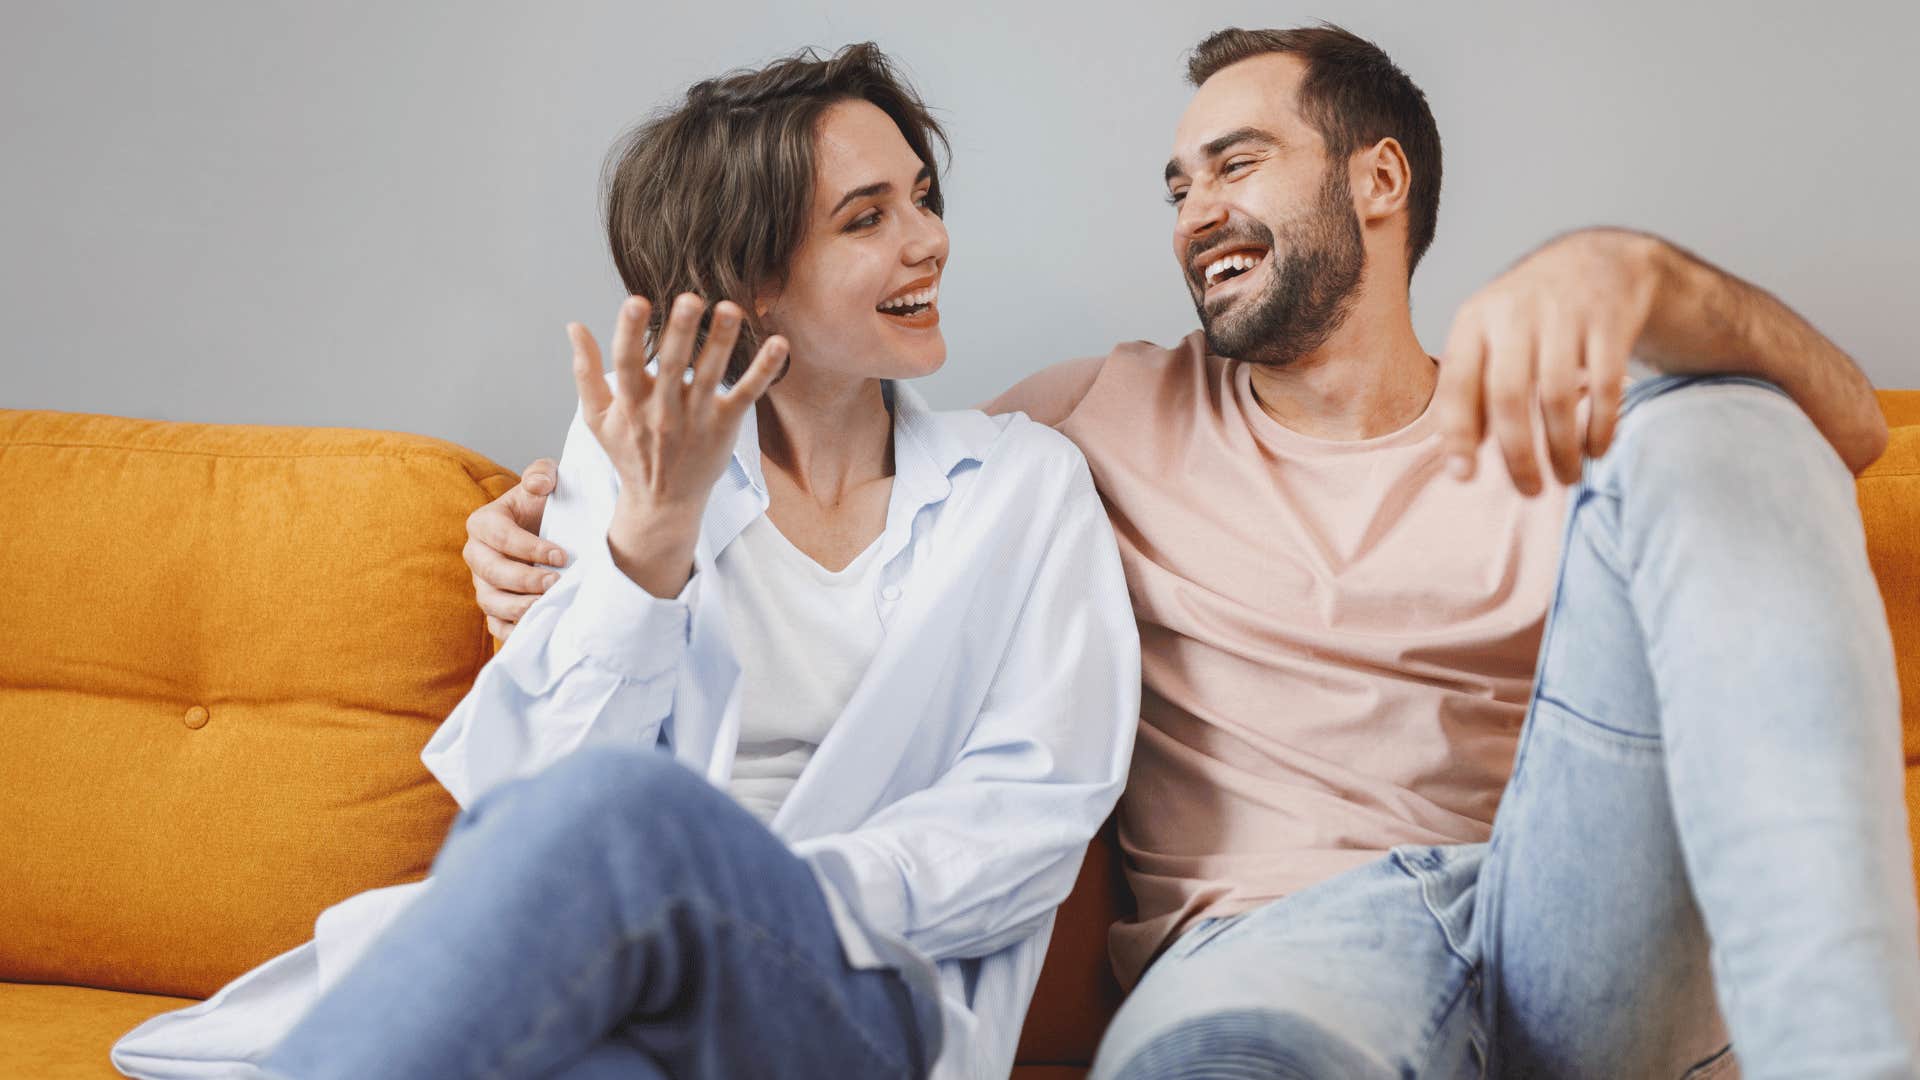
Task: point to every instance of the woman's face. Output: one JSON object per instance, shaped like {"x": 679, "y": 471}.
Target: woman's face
{"x": 859, "y": 298}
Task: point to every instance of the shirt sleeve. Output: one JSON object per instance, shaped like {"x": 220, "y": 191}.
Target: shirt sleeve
{"x": 595, "y": 659}
{"x": 980, "y": 859}
{"x": 1050, "y": 395}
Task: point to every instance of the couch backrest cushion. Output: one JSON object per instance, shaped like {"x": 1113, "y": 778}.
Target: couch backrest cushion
{"x": 224, "y": 648}
{"x": 1890, "y": 504}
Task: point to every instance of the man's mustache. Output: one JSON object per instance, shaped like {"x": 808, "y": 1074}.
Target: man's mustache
{"x": 1251, "y": 232}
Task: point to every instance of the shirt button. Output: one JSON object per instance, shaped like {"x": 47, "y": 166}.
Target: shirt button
{"x": 890, "y": 593}
{"x": 196, "y": 718}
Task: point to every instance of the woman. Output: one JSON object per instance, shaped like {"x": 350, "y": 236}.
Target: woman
{"x": 895, "y": 643}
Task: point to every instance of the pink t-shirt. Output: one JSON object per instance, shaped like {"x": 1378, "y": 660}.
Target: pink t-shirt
{"x": 1337, "y": 638}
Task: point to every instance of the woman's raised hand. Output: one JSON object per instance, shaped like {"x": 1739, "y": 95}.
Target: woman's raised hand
{"x": 668, "y": 436}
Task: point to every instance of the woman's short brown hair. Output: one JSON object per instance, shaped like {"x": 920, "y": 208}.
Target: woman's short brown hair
{"x": 712, "y": 196}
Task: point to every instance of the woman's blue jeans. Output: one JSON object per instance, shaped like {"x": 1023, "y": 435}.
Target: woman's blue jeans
{"x": 615, "y": 916}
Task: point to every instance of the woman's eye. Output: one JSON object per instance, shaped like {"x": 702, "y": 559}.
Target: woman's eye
{"x": 864, "y": 221}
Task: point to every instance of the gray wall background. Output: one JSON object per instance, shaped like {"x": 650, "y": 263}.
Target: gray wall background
{"x": 381, "y": 214}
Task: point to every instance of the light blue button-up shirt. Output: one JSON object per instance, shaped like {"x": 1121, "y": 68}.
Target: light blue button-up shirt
{"x": 947, "y": 810}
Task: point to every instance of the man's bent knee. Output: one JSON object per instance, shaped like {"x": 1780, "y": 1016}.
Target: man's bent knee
{"x": 1249, "y": 1043}
{"x": 1704, "y": 434}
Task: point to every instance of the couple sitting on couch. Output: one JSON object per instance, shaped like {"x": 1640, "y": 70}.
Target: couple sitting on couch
{"x": 787, "y": 771}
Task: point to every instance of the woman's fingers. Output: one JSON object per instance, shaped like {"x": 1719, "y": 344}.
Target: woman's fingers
{"x": 766, "y": 367}
{"x": 722, "y": 332}
{"x": 629, "y": 351}
{"x": 676, "y": 347}
{"x": 589, "y": 379}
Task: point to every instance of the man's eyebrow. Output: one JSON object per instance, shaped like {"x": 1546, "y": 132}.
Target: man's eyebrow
{"x": 880, "y": 188}
{"x": 1214, "y": 148}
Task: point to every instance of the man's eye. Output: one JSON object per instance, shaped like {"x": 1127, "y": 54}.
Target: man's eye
{"x": 1232, "y": 165}
{"x": 1175, "y": 198}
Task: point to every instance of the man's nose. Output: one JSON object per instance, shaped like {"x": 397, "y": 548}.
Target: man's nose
{"x": 1200, "y": 214}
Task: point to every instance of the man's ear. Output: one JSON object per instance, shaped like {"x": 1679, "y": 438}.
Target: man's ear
{"x": 1383, "y": 180}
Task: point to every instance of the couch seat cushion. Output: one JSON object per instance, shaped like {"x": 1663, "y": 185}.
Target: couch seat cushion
{"x": 64, "y": 1032}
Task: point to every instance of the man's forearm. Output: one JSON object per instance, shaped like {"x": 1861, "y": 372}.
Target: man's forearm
{"x": 1706, "y": 320}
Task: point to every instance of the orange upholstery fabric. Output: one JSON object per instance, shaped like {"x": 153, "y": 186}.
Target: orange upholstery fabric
{"x": 225, "y": 648}
{"x": 1890, "y": 504}
{"x": 63, "y": 1032}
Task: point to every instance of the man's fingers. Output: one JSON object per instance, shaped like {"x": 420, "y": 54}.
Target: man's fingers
{"x": 766, "y": 367}
{"x": 589, "y": 379}
{"x": 1561, "y": 377}
{"x": 500, "y": 604}
{"x": 504, "y": 573}
{"x": 629, "y": 352}
{"x": 538, "y": 478}
{"x": 722, "y": 332}
{"x": 1510, "y": 390}
{"x": 1458, "y": 397}
{"x": 1606, "y": 381}
{"x": 494, "y": 527}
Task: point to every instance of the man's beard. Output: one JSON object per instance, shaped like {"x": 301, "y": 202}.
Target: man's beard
{"x": 1308, "y": 295}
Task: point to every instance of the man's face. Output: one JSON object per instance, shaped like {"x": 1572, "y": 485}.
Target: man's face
{"x": 1266, "y": 232}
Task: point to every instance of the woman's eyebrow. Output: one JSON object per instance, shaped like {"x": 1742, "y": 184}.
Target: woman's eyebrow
{"x": 880, "y": 188}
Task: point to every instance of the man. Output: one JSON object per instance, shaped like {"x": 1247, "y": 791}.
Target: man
{"x": 1344, "y": 615}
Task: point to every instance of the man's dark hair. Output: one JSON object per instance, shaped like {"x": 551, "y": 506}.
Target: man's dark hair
{"x": 712, "y": 196}
{"x": 1354, "y": 96}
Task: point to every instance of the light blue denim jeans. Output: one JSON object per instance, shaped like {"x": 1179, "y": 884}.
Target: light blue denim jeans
{"x": 1704, "y": 821}
{"x": 615, "y": 915}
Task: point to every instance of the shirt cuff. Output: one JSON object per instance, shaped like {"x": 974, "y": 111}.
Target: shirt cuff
{"x": 615, "y": 624}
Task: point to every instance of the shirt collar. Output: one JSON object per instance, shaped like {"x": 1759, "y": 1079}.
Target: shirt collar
{"x": 926, "y": 448}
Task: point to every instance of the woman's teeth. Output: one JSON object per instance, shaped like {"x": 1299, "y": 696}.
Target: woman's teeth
{"x": 917, "y": 298}
{"x": 1236, "y": 262}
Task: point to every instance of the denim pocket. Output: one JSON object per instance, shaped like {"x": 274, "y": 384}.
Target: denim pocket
{"x": 1201, "y": 933}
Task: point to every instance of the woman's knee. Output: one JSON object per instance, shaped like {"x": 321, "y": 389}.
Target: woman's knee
{"x": 608, "y": 787}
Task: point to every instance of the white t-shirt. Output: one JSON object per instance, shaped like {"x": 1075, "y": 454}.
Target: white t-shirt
{"x": 803, "y": 636}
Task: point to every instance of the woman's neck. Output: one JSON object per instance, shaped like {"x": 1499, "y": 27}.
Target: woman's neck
{"x": 828, "y": 435}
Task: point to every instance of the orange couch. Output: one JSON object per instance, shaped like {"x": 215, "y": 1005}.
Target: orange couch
{"x": 225, "y": 647}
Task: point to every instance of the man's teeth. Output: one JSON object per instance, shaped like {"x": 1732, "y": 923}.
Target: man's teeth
{"x": 912, "y": 299}
{"x": 1236, "y": 261}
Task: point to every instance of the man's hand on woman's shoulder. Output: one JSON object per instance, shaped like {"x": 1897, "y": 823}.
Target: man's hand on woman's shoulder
{"x": 509, "y": 561}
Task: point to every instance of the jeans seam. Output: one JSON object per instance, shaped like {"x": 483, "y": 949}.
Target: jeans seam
{"x": 626, "y": 940}
{"x": 1634, "y": 736}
